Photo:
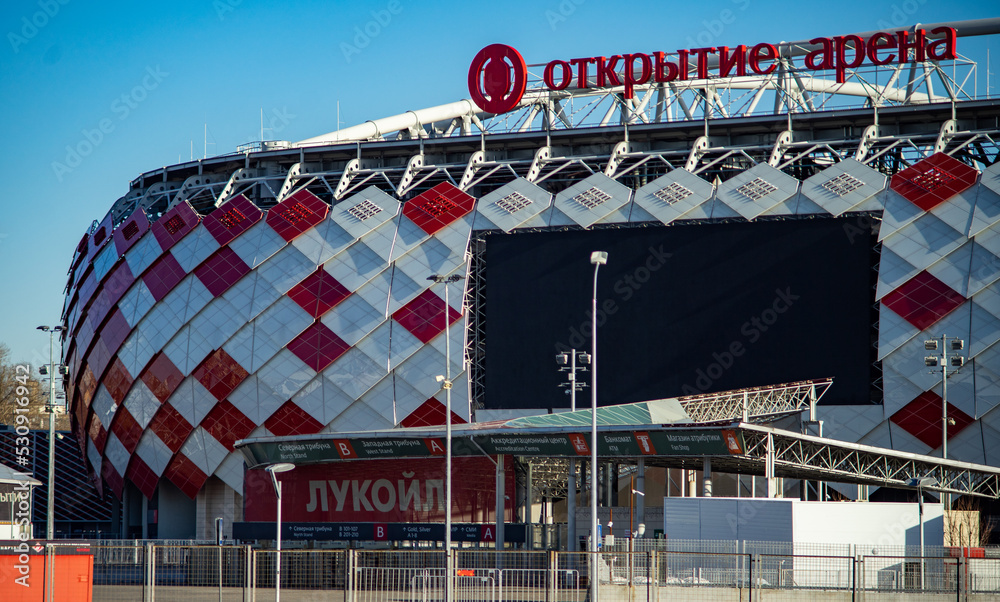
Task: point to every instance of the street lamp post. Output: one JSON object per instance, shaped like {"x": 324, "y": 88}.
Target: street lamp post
{"x": 597, "y": 258}
{"x": 920, "y": 484}
{"x": 446, "y": 383}
{"x": 50, "y": 493}
{"x": 272, "y": 470}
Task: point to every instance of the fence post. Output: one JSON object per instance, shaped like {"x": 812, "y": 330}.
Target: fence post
{"x": 252, "y": 573}
{"x": 649, "y": 575}
{"x": 754, "y": 579}
{"x": 550, "y": 576}
{"x": 150, "y": 585}
{"x": 50, "y": 571}
{"x": 960, "y": 575}
{"x": 349, "y": 582}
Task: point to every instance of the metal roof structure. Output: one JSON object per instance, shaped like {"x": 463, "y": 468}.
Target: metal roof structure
{"x": 633, "y": 431}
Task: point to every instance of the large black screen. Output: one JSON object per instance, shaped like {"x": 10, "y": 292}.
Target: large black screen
{"x": 682, "y": 310}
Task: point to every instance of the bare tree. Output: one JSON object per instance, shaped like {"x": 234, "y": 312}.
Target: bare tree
{"x": 963, "y": 526}
{"x": 21, "y": 393}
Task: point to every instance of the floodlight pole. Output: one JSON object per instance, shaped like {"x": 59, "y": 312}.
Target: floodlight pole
{"x": 597, "y": 258}
{"x": 50, "y": 493}
{"x": 945, "y": 361}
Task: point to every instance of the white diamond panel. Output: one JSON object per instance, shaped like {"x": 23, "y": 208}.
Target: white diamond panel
{"x": 653, "y": 199}
{"x": 154, "y": 452}
{"x": 756, "y": 190}
{"x": 142, "y": 255}
{"x": 192, "y": 400}
{"x": 256, "y": 399}
{"x": 194, "y": 248}
{"x": 355, "y": 266}
{"x": 355, "y": 221}
{"x": 587, "y": 201}
{"x": 136, "y": 302}
{"x": 204, "y": 450}
{"x": 322, "y": 400}
{"x": 354, "y": 373}
{"x": 513, "y": 204}
{"x": 843, "y": 187}
{"x": 257, "y": 244}
{"x": 231, "y": 472}
{"x": 116, "y": 453}
{"x": 285, "y": 374}
{"x": 352, "y": 319}
{"x": 323, "y": 242}
{"x": 141, "y": 403}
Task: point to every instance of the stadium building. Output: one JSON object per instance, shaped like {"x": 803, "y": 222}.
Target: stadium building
{"x": 772, "y": 213}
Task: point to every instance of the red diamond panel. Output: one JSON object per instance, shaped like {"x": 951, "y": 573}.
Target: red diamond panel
{"x": 430, "y": 413}
{"x": 922, "y": 419}
{"x": 174, "y": 224}
{"x": 317, "y": 346}
{"x": 296, "y": 214}
{"x": 923, "y": 300}
{"x": 170, "y": 427}
{"x": 162, "y": 377}
{"x": 438, "y": 207}
{"x": 118, "y": 282}
{"x": 933, "y": 180}
{"x": 186, "y": 475}
{"x": 424, "y": 316}
{"x": 227, "y": 424}
{"x": 142, "y": 476}
{"x": 232, "y": 219}
{"x": 99, "y": 307}
{"x": 163, "y": 276}
{"x": 318, "y": 293}
{"x": 129, "y": 233}
{"x": 220, "y": 374}
{"x": 115, "y": 331}
{"x": 112, "y": 478}
{"x": 97, "y": 433}
{"x": 100, "y": 237}
{"x": 290, "y": 419}
{"x": 87, "y": 287}
{"x": 88, "y": 385}
{"x": 126, "y": 429}
{"x": 118, "y": 381}
{"x": 221, "y": 271}
{"x": 99, "y": 357}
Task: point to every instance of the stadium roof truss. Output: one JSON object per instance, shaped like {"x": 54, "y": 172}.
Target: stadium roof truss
{"x": 596, "y": 129}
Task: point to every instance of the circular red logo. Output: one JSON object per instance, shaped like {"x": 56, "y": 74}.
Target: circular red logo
{"x": 497, "y": 78}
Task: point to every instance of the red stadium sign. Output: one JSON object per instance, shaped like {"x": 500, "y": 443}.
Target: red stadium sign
{"x": 498, "y": 75}
{"x": 377, "y": 491}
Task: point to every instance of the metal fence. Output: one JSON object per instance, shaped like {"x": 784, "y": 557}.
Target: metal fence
{"x": 629, "y": 571}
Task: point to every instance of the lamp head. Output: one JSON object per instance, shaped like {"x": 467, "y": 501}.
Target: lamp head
{"x": 599, "y": 257}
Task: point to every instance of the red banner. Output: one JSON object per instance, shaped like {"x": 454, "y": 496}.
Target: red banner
{"x": 380, "y": 491}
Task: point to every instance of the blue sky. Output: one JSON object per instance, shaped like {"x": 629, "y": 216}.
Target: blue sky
{"x": 152, "y": 74}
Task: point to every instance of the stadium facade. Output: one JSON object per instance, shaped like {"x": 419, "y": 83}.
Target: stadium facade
{"x": 284, "y": 290}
